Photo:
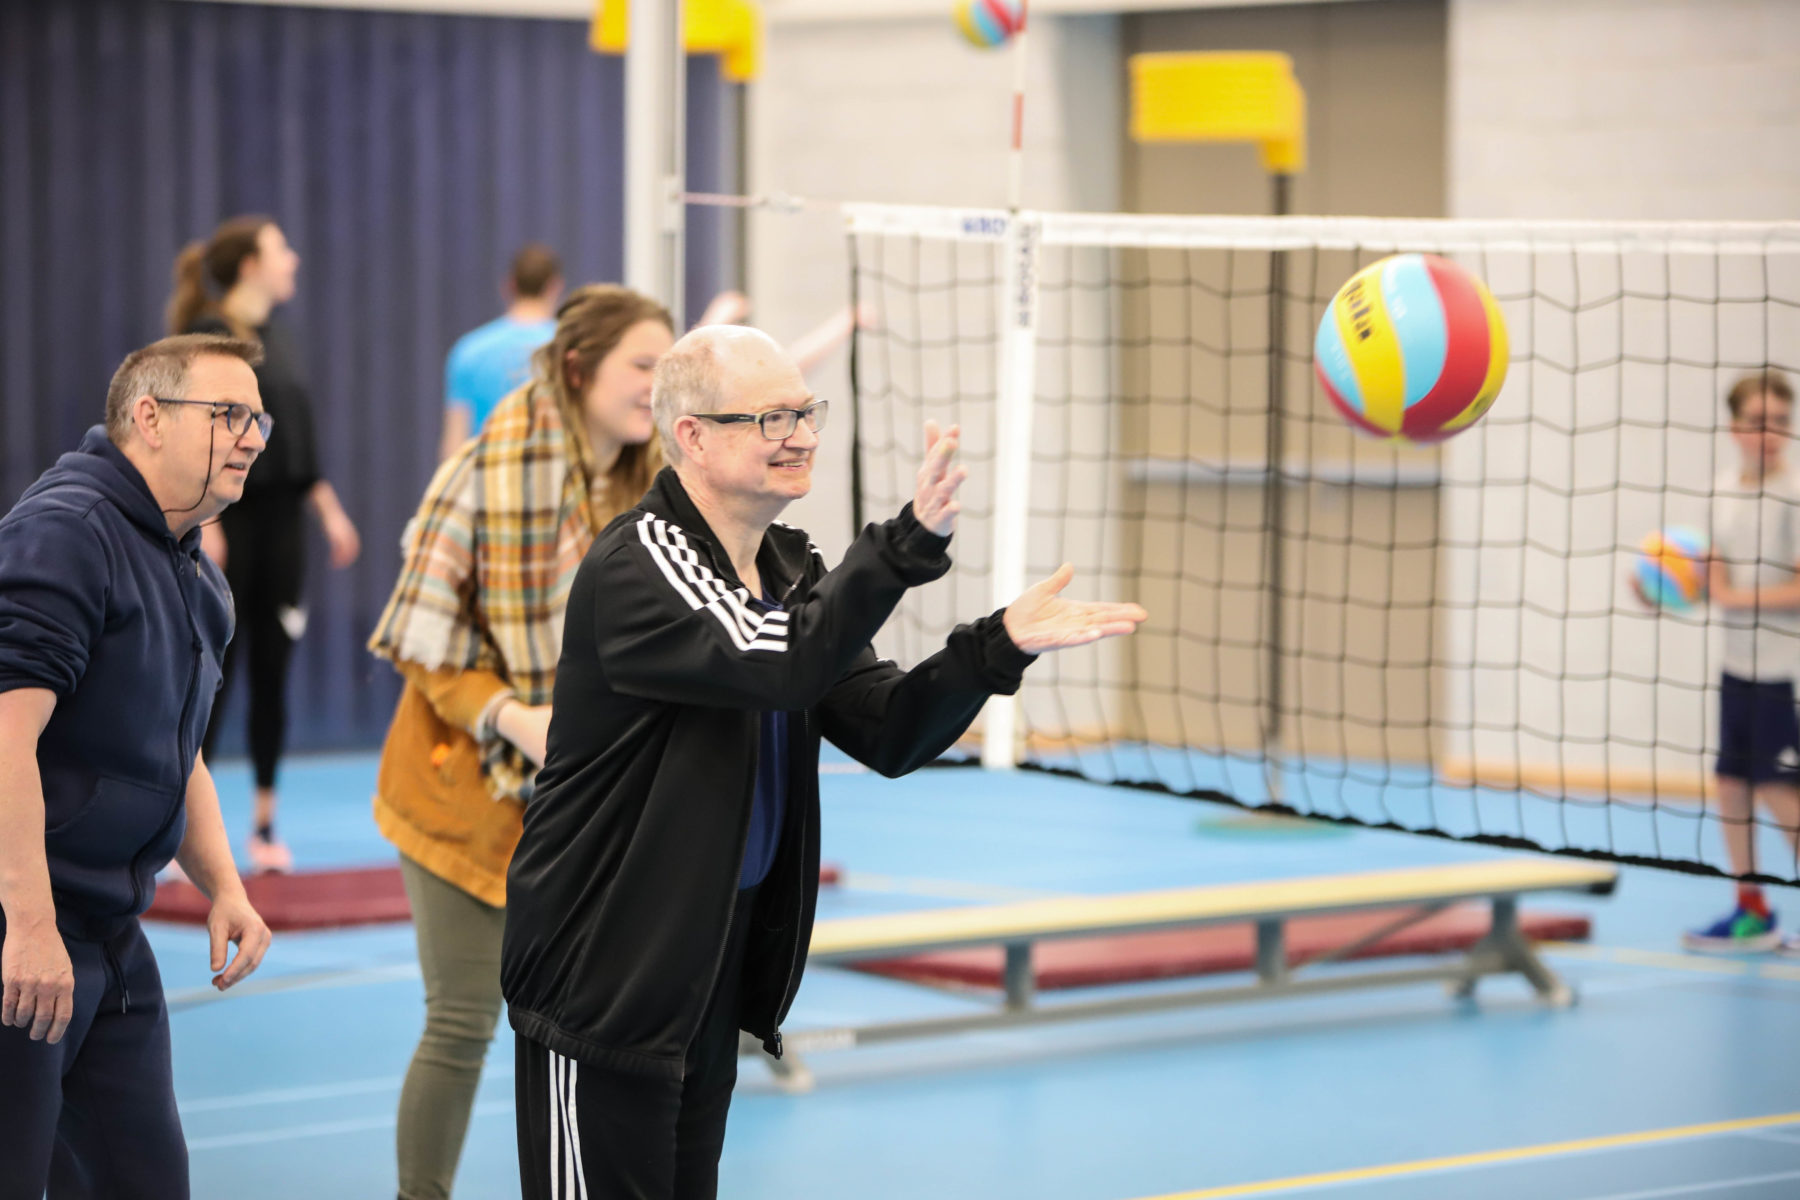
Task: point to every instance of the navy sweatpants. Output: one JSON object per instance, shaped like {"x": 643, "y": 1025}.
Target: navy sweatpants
{"x": 94, "y": 1115}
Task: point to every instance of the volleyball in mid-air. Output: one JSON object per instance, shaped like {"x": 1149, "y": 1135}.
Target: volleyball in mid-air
{"x": 1671, "y": 567}
{"x": 989, "y": 23}
{"x": 1412, "y": 348}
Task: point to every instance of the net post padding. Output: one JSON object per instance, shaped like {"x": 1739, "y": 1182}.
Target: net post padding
{"x": 1014, "y": 409}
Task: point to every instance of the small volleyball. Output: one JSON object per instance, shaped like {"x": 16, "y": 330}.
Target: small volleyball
{"x": 1412, "y": 348}
{"x": 989, "y": 23}
{"x": 1671, "y": 567}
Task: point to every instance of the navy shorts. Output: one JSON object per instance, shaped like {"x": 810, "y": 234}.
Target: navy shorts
{"x": 1759, "y": 733}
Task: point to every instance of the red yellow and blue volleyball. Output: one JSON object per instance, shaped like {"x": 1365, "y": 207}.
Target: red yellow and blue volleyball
{"x": 1671, "y": 567}
{"x": 989, "y": 23}
{"x": 1412, "y": 348}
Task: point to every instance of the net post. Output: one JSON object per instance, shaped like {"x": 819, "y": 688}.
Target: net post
{"x": 656, "y": 152}
{"x": 856, "y": 391}
{"x": 1275, "y": 494}
{"x": 1012, "y": 456}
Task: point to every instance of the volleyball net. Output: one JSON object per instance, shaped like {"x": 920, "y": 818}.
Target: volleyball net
{"x": 1437, "y": 639}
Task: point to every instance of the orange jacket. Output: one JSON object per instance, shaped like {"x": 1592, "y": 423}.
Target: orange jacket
{"x": 430, "y": 798}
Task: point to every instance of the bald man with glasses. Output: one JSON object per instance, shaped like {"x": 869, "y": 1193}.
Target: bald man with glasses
{"x": 662, "y": 895}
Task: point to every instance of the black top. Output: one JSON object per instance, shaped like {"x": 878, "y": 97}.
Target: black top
{"x": 291, "y": 463}
{"x": 620, "y": 896}
{"x": 102, "y": 605}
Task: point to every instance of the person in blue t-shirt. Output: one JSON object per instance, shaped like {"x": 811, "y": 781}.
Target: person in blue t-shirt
{"x": 487, "y": 363}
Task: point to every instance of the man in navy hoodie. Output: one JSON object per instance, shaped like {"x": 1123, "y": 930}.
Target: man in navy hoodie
{"x": 112, "y": 626}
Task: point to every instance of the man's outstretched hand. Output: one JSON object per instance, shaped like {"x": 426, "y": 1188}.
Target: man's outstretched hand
{"x": 1040, "y": 619}
{"x": 934, "y": 500}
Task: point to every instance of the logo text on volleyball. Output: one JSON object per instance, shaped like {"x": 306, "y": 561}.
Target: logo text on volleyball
{"x": 1361, "y": 311}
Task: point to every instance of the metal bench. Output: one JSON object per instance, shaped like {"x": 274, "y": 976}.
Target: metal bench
{"x": 1418, "y": 892}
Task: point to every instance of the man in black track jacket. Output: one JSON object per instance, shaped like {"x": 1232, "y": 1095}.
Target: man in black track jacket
{"x": 662, "y": 895}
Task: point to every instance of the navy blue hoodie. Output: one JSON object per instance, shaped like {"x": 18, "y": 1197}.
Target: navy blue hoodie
{"x": 102, "y": 605}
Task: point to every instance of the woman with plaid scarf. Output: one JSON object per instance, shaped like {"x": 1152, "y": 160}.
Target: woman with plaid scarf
{"x": 475, "y": 626}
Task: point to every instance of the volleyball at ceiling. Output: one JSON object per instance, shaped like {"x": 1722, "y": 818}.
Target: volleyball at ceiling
{"x": 1671, "y": 567}
{"x": 1412, "y": 348}
{"x": 989, "y": 23}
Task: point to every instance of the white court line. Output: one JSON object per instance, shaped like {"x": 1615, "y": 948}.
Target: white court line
{"x": 188, "y": 998}
{"x": 1703, "y": 964}
{"x": 1769, "y": 1135}
{"x": 1710, "y": 1187}
{"x": 257, "y": 1137}
{"x": 322, "y": 1091}
{"x": 943, "y": 889}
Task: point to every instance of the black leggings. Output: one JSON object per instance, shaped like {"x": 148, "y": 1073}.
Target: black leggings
{"x": 265, "y": 564}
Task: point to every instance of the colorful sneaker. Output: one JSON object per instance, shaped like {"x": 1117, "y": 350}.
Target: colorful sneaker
{"x": 270, "y": 856}
{"x": 1743, "y": 932}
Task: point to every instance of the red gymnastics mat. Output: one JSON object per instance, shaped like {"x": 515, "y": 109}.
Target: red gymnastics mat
{"x": 301, "y": 900}
{"x": 315, "y": 899}
{"x": 1134, "y": 958}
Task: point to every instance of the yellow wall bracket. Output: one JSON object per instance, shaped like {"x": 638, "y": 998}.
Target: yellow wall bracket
{"x": 1227, "y": 96}
{"x": 731, "y": 29}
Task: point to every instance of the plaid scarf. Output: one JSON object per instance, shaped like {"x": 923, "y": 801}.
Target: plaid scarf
{"x": 489, "y": 558}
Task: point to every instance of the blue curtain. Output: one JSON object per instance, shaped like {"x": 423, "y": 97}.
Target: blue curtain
{"x": 405, "y": 155}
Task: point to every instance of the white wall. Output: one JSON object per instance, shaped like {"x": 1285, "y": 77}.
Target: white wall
{"x": 902, "y": 110}
{"x": 1620, "y": 109}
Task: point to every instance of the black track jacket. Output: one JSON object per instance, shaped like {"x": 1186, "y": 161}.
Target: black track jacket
{"x": 620, "y": 894}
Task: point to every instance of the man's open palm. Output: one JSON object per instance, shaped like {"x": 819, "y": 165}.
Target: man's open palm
{"x": 1040, "y": 619}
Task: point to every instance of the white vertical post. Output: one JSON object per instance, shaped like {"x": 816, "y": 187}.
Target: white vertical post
{"x": 655, "y": 151}
{"x": 1015, "y": 163}
{"x": 1012, "y": 456}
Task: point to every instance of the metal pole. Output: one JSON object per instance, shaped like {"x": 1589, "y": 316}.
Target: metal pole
{"x": 1015, "y": 166}
{"x": 655, "y": 152}
{"x": 1275, "y": 497}
{"x": 1013, "y": 409}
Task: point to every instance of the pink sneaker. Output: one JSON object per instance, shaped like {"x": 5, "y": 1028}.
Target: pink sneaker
{"x": 269, "y": 856}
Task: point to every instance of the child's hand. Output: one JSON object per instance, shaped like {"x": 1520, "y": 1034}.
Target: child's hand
{"x": 1731, "y": 598}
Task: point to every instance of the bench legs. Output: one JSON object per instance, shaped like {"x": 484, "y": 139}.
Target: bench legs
{"x": 1020, "y": 981}
{"x": 1271, "y": 951}
{"x": 1508, "y": 949}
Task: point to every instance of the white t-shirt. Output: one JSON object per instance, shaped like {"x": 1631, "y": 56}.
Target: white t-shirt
{"x": 1756, "y": 534}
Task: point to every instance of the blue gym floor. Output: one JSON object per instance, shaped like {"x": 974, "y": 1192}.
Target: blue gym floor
{"x": 288, "y": 1085}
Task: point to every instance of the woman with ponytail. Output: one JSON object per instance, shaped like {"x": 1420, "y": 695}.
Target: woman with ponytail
{"x": 475, "y": 628}
{"x": 230, "y": 284}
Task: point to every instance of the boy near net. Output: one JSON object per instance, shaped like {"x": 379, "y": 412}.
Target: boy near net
{"x": 1754, "y": 584}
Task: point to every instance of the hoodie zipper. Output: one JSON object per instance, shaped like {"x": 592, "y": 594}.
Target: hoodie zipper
{"x": 118, "y": 972}
{"x": 184, "y": 762}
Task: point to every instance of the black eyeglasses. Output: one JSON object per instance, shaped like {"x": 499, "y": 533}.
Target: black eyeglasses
{"x": 778, "y": 424}
{"x": 237, "y": 416}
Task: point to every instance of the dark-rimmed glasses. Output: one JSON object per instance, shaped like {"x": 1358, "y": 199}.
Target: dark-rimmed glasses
{"x": 778, "y": 424}
{"x": 237, "y": 416}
